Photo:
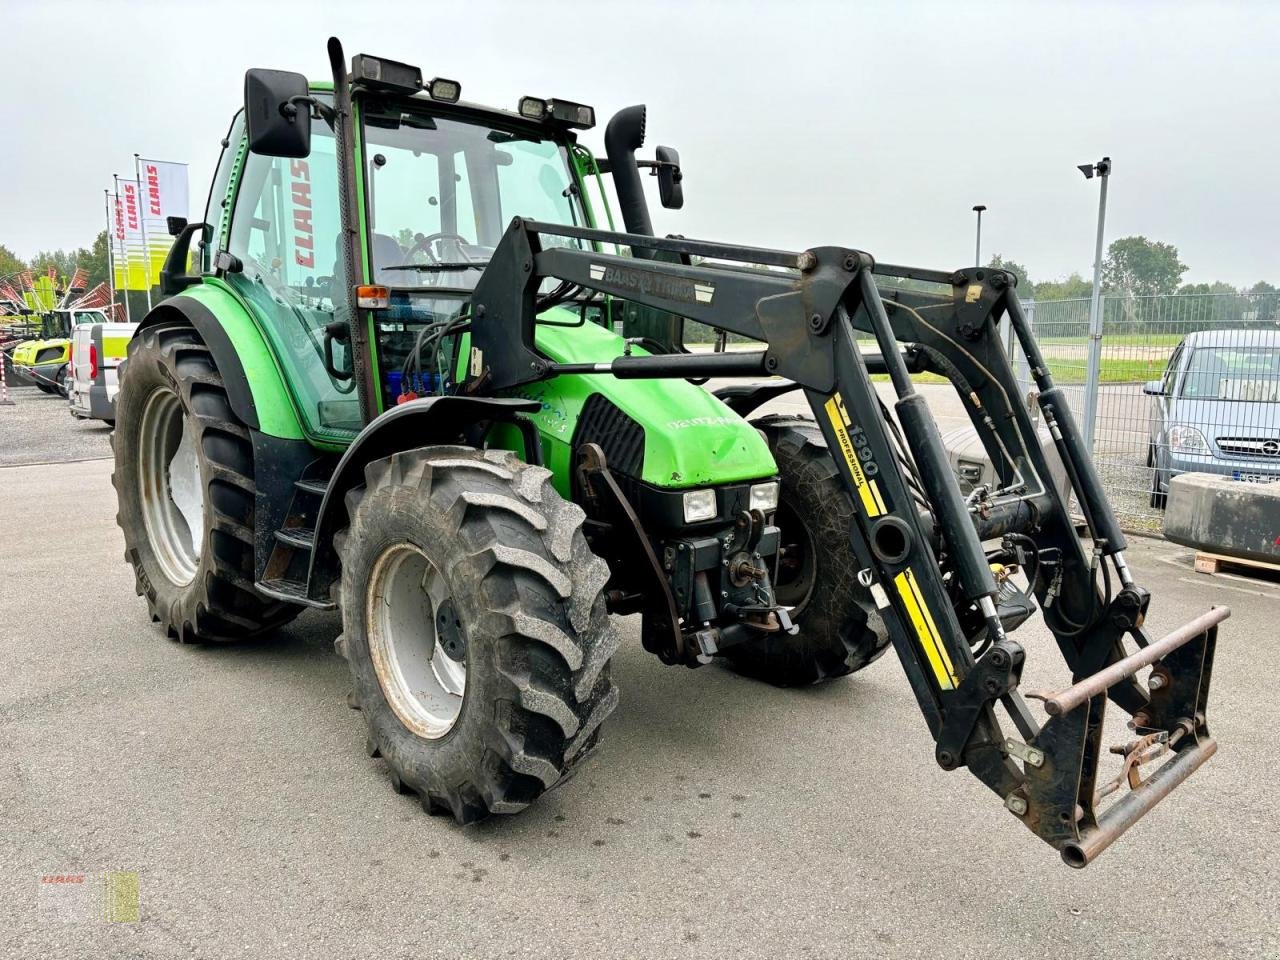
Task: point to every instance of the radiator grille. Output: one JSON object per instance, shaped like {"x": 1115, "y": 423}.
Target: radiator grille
{"x": 1250, "y": 446}
{"x": 621, "y": 438}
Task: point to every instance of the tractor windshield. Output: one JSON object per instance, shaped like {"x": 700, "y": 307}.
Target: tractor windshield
{"x": 441, "y": 191}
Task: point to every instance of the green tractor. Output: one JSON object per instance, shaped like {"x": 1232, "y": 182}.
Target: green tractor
{"x": 412, "y": 376}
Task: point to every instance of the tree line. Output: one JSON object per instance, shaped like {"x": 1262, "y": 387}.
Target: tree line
{"x": 1132, "y": 267}
{"x": 93, "y": 259}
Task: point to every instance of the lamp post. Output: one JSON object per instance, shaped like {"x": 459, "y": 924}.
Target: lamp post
{"x": 1102, "y": 170}
{"x": 977, "y": 244}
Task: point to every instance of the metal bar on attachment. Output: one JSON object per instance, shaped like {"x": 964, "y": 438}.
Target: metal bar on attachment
{"x": 1103, "y": 680}
{"x": 1135, "y": 804}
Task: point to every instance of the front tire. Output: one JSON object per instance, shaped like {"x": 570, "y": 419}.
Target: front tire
{"x": 840, "y": 629}
{"x": 184, "y": 479}
{"x": 475, "y": 627}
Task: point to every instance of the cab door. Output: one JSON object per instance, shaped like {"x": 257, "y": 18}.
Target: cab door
{"x": 284, "y": 233}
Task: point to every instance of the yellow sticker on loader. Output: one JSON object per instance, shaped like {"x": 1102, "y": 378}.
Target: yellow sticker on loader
{"x": 868, "y": 489}
{"x": 926, "y": 630}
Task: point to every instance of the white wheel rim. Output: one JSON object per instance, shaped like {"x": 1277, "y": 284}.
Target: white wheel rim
{"x": 171, "y": 487}
{"x": 421, "y": 682}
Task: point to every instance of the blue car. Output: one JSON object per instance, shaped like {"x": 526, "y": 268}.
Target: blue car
{"x": 1217, "y": 409}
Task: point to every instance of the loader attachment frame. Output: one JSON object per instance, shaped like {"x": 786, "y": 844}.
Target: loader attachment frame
{"x": 919, "y": 541}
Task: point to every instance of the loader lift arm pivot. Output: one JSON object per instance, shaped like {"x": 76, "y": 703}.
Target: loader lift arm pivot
{"x": 939, "y": 602}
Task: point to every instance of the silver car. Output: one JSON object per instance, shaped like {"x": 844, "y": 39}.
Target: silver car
{"x": 1217, "y": 409}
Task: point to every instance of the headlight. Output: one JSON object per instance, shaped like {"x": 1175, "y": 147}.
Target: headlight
{"x": 699, "y": 505}
{"x": 764, "y": 496}
{"x": 1187, "y": 440}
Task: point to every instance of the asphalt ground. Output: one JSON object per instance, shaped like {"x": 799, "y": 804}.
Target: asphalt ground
{"x": 719, "y": 818}
{"x": 39, "y": 428}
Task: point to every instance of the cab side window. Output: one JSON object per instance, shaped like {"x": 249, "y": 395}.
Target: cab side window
{"x": 1171, "y": 371}
{"x": 285, "y": 231}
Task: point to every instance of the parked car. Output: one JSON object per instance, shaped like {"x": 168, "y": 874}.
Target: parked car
{"x": 1217, "y": 409}
{"x": 97, "y": 351}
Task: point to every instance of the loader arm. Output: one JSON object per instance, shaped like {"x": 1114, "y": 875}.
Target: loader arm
{"x": 918, "y": 540}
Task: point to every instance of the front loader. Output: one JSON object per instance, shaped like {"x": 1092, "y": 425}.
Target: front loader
{"x": 414, "y": 379}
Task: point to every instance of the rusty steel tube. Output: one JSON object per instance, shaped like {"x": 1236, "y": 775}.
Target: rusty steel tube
{"x": 1108, "y": 677}
{"x": 1126, "y": 811}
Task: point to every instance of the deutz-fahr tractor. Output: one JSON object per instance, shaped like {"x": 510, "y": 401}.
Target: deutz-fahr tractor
{"x": 412, "y": 376}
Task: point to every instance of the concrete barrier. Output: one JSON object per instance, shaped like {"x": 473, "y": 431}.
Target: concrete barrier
{"x": 1221, "y": 515}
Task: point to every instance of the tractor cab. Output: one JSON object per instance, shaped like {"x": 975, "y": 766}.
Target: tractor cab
{"x": 430, "y": 184}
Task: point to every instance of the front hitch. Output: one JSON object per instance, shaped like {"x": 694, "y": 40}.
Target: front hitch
{"x": 1059, "y": 797}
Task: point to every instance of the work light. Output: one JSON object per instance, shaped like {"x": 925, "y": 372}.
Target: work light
{"x": 447, "y": 91}
{"x": 764, "y": 496}
{"x": 699, "y": 505}
{"x": 535, "y": 108}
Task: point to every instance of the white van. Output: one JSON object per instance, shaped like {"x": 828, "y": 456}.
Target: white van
{"x": 97, "y": 350}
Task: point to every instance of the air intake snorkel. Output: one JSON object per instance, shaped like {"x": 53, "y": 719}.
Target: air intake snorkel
{"x": 622, "y": 138}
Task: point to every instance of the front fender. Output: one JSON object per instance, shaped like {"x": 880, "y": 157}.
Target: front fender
{"x": 419, "y": 423}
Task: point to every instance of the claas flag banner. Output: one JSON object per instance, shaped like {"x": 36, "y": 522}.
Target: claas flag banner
{"x": 130, "y": 264}
{"x": 140, "y": 229}
{"x": 164, "y": 195}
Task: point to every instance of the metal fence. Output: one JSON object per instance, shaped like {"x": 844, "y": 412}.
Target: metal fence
{"x": 1215, "y": 409}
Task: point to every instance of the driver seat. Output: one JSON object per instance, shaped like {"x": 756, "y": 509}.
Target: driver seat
{"x": 386, "y": 252}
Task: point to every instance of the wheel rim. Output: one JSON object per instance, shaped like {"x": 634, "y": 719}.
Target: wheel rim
{"x": 423, "y": 676}
{"x": 796, "y": 573}
{"x": 172, "y": 491}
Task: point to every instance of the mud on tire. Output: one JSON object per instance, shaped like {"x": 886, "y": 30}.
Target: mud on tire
{"x": 840, "y": 630}
{"x": 525, "y": 592}
{"x": 219, "y": 603}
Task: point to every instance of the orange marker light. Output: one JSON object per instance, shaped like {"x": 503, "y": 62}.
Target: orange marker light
{"x": 373, "y": 297}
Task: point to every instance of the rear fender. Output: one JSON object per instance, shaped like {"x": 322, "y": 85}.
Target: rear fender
{"x": 254, "y": 383}
{"x": 419, "y": 423}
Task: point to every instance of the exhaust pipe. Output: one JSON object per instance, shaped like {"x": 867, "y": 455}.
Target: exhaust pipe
{"x": 622, "y": 138}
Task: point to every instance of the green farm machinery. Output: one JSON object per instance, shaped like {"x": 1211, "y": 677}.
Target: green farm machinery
{"x": 413, "y": 376}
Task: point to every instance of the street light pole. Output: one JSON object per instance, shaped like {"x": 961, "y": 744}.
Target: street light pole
{"x": 1102, "y": 169}
{"x": 977, "y": 244}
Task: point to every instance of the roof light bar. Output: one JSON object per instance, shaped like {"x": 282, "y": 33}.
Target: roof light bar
{"x": 387, "y": 74}
{"x": 566, "y": 112}
{"x": 577, "y": 115}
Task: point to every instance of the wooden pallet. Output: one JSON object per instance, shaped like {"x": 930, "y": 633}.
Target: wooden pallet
{"x": 1213, "y": 562}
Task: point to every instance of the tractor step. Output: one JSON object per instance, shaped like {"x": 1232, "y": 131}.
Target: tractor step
{"x": 301, "y": 537}
{"x": 291, "y": 591}
{"x": 318, "y": 487}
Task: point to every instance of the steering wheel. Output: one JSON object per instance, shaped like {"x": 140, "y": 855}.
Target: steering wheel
{"x": 423, "y": 245}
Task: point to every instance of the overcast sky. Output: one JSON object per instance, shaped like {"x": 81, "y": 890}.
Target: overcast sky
{"x": 869, "y": 125}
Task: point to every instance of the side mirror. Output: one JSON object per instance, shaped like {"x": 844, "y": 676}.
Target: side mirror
{"x": 669, "y": 177}
{"x": 277, "y": 113}
{"x": 1153, "y": 388}
{"x": 175, "y": 225}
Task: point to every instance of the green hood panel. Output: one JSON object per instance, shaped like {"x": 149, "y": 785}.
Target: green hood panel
{"x": 691, "y": 438}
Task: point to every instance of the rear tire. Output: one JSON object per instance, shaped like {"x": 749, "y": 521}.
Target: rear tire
{"x": 190, "y": 538}
{"x": 840, "y": 629}
{"x": 485, "y": 682}
{"x": 1158, "y": 498}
